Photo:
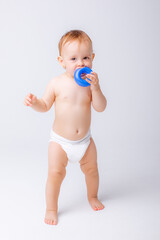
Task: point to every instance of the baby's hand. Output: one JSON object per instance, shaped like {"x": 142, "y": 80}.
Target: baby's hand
{"x": 30, "y": 99}
{"x": 94, "y": 80}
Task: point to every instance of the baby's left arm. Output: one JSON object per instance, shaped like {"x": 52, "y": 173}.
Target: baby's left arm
{"x": 99, "y": 101}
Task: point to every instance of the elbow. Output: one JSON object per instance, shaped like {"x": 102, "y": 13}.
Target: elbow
{"x": 45, "y": 106}
{"x": 101, "y": 107}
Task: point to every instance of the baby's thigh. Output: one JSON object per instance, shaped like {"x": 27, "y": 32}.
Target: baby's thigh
{"x": 90, "y": 157}
{"x": 57, "y": 158}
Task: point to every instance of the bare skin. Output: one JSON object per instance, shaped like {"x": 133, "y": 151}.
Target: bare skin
{"x": 72, "y": 121}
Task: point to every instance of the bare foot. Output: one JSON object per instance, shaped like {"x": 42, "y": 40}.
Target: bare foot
{"x": 51, "y": 217}
{"x": 96, "y": 204}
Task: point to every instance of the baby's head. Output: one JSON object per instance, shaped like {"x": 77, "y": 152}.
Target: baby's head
{"x": 75, "y": 51}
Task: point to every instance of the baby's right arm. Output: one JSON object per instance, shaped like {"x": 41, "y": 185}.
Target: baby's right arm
{"x": 42, "y": 104}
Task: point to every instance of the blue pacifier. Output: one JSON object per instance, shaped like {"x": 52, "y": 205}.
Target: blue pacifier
{"x": 77, "y": 76}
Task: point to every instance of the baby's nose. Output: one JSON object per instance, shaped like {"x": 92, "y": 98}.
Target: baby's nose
{"x": 80, "y": 63}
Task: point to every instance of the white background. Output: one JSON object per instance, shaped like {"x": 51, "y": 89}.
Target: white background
{"x": 126, "y": 37}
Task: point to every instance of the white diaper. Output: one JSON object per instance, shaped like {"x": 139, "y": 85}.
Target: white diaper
{"x": 75, "y": 150}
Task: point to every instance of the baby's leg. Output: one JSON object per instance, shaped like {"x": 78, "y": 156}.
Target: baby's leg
{"x": 88, "y": 165}
{"x": 57, "y": 162}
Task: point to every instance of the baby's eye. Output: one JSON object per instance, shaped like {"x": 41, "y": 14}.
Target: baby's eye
{"x": 86, "y": 57}
{"x": 73, "y": 59}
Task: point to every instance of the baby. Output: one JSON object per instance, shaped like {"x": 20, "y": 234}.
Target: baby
{"x": 70, "y": 138}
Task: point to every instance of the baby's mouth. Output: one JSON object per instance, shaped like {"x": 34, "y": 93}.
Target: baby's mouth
{"x": 83, "y": 75}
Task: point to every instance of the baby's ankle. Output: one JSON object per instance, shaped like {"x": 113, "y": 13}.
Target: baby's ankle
{"x": 92, "y": 197}
{"x": 51, "y": 210}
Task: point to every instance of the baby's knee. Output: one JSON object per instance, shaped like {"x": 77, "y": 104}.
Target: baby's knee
{"x": 90, "y": 170}
{"x": 57, "y": 172}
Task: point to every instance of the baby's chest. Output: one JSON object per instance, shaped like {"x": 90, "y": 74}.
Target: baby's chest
{"x": 78, "y": 95}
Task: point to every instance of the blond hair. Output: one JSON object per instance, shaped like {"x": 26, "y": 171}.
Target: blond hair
{"x": 71, "y": 36}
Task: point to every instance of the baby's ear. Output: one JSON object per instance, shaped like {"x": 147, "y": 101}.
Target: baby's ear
{"x": 93, "y": 55}
{"x": 61, "y": 62}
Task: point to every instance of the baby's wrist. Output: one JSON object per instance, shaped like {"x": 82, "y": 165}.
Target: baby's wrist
{"x": 96, "y": 88}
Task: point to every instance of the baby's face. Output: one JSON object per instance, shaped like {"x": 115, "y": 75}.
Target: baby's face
{"x": 76, "y": 55}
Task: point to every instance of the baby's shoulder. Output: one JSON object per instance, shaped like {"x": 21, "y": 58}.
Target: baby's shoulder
{"x": 55, "y": 81}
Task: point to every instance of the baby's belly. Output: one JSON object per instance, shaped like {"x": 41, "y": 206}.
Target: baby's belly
{"x": 72, "y": 121}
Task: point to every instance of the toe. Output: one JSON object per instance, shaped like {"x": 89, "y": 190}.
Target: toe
{"x": 46, "y": 221}
{"x": 51, "y": 222}
{"x": 100, "y": 208}
{"x": 55, "y": 222}
{"x": 95, "y": 208}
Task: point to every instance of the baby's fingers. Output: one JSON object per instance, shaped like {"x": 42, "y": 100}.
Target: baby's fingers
{"x": 90, "y": 78}
{"x": 29, "y": 99}
{"x": 27, "y": 103}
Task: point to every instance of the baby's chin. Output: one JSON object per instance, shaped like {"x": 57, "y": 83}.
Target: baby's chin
{"x": 70, "y": 74}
